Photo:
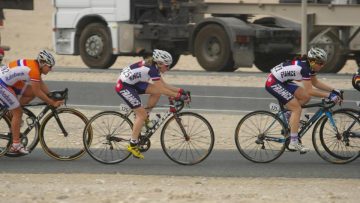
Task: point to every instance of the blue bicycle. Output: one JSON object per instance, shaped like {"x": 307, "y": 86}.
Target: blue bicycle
{"x": 263, "y": 136}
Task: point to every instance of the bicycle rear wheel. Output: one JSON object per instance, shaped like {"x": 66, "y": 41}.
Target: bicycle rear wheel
{"x": 62, "y": 139}
{"x": 345, "y": 143}
{"x": 5, "y": 138}
{"x": 260, "y": 137}
{"x": 192, "y": 148}
{"x": 110, "y": 134}
{"x": 29, "y": 132}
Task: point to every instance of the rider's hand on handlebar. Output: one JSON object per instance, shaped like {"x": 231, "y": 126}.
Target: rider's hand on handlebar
{"x": 336, "y": 96}
{"x": 183, "y": 95}
{"x": 58, "y": 103}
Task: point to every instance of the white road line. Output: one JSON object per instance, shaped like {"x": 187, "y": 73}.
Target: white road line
{"x": 160, "y": 108}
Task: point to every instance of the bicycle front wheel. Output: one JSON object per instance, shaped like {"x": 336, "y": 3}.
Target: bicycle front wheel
{"x": 110, "y": 135}
{"x": 344, "y": 143}
{"x": 61, "y": 134}
{"x": 5, "y": 138}
{"x": 260, "y": 137}
{"x": 187, "y": 139}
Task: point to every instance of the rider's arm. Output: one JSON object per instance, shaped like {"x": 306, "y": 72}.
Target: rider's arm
{"x": 175, "y": 89}
{"x": 312, "y": 91}
{"x": 163, "y": 89}
{"x": 38, "y": 92}
{"x": 44, "y": 87}
{"x": 320, "y": 85}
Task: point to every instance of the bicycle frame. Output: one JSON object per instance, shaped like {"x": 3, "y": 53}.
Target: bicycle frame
{"x": 149, "y": 132}
{"x": 325, "y": 108}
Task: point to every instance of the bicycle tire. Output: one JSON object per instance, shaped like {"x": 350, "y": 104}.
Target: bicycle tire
{"x": 5, "y": 138}
{"x": 29, "y": 139}
{"x": 323, "y": 153}
{"x": 110, "y": 134}
{"x": 56, "y": 144}
{"x": 252, "y": 140}
{"x": 337, "y": 145}
{"x": 197, "y": 146}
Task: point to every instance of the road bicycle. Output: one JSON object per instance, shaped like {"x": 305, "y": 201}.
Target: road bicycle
{"x": 186, "y": 138}
{"x": 263, "y": 136}
{"x": 340, "y": 147}
{"x": 60, "y": 130}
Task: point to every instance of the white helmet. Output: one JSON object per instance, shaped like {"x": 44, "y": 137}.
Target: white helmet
{"x": 317, "y": 54}
{"x": 46, "y": 57}
{"x": 163, "y": 57}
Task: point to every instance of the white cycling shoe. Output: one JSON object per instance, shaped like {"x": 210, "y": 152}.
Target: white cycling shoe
{"x": 298, "y": 147}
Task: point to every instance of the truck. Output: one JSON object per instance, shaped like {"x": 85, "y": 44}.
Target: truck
{"x": 101, "y": 30}
{"x": 222, "y": 36}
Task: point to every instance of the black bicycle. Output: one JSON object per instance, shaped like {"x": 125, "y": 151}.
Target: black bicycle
{"x": 341, "y": 147}
{"x": 59, "y": 131}
{"x": 262, "y": 136}
{"x": 187, "y": 138}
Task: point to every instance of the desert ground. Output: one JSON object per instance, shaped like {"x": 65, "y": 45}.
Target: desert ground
{"x": 27, "y": 32}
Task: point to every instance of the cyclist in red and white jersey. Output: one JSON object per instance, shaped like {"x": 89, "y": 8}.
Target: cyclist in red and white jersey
{"x": 20, "y": 82}
{"x": 280, "y": 84}
{"x": 135, "y": 80}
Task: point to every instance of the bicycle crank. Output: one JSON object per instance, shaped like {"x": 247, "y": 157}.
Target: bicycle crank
{"x": 144, "y": 143}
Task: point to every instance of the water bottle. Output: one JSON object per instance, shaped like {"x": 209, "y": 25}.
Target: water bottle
{"x": 154, "y": 121}
{"x": 150, "y": 123}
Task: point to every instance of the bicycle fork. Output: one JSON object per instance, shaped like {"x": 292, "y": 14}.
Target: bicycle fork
{"x": 58, "y": 121}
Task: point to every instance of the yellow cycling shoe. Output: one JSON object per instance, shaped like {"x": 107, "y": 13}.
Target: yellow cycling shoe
{"x": 135, "y": 151}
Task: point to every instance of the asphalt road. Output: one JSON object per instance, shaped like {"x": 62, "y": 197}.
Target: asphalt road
{"x": 221, "y": 163}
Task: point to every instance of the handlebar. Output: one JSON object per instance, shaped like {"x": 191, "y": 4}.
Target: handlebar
{"x": 59, "y": 95}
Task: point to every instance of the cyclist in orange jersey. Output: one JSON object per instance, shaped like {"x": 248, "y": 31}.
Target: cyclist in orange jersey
{"x": 20, "y": 82}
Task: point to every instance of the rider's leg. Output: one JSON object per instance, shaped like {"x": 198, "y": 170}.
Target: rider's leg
{"x": 15, "y": 123}
{"x": 140, "y": 116}
{"x": 295, "y": 107}
{"x": 302, "y": 96}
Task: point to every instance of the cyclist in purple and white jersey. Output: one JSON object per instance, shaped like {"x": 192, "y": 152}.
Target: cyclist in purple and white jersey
{"x": 135, "y": 80}
{"x": 280, "y": 84}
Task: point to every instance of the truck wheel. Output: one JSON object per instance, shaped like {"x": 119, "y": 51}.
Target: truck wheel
{"x": 329, "y": 42}
{"x": 212, "y": 49}
{"x": 265, "y": 62}
{"x": 95, "y": 46}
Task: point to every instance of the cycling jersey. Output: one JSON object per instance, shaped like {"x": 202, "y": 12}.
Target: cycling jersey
{"x": 134, "y": 80}
{"x": 292, "y": 70}
{"x": 280, "y": 81}
{"x": 138, "y": 72}
{"x": 14, "y": 78}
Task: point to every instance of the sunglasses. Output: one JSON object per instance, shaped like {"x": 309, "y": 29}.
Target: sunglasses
{"x": 166, "y": 66}
{"x": 319, "y": 63}
{"x": 49, "y": 66}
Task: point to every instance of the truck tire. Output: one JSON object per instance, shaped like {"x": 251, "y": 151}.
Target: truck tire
{"x": 329, "y": 42}
{"x": 212, "y": 49}
{"x": 95, "y": 46}
{"x": 265, "y": 62}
